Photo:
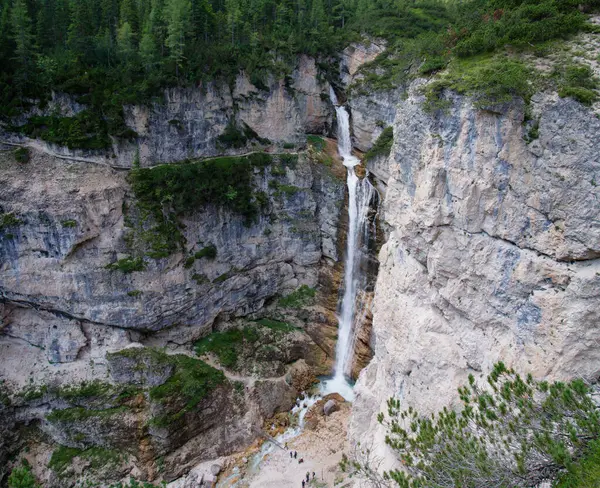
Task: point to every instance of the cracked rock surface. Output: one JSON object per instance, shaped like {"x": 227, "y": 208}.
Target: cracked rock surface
{"x": 493, "y": 254}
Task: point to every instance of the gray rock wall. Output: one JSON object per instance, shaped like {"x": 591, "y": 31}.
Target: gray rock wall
{"x": 493, "y": 254}
{"x": 188, "y": 121}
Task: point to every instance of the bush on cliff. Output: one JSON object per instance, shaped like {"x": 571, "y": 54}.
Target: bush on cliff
{"x": 517, "y": 432}
{"x": 22, "y": 477}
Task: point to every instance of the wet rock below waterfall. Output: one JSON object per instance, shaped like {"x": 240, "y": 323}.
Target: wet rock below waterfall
{"x": 320, "y": 410}
{"x": 330, "y": 407}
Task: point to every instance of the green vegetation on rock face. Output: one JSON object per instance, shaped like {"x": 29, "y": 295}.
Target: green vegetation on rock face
{"x": 98, "y": 457}
{"x": 382, "y": 146}
{"x": 226, "y": 345}
{"x": 513, "y": 431}
{"x": 128, "y": 265}
{"x": 79, "y": 413}
{"x": 167, "y": 192}
{"x": 585, "y": 472}
{"x": 577, "y": 81}
{"x": 186, "y": 187}
{"x": 491, "y": 80}
{"x": 9, "y": 220}
{"x": 471, "y": 39}
{"x": 21, "y": 155}
{"x": 22, "y": 477}
{"x": 302, "y": 297}
{"x": 232, "y": 345}
{"x": 192, "y": 381}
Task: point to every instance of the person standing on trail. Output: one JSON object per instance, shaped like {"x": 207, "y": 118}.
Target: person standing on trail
{"x": 313, "y": 475}
{"x": 295, "y": 454}
{"x": 291, "y": 454}
{"x": 307, "y": 476}
{"x": 303, "y": 483}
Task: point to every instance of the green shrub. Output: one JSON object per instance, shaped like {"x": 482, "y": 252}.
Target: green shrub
{"x": 578, "y": 81}
{"x": 288, "y": 160}
{"x": 382, "y": 146}
{"x": 289, "y": 145}
{"x": 585, "y": 472}
{"x": 183, "y": 188}
{"x": 21, "y": 155}
{"x": 86, "y": 130}
{"x": 22, "y": 477}
{"x": 209, "y": 252}
{"x": 512, "y": 428}
{"x": 301, "y": 297}
{"x": 127, "y": 265}
{"x": 134, "y": 293}
{"x": 200, "y": 279}
{"x": 69, "y": 223}
{"x": 9, "y": 220}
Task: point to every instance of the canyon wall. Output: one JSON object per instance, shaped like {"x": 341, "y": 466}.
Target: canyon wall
{"x": 68, "y": 311}
{"x": 186, "y": 123}
{"x": 492, "y": 253}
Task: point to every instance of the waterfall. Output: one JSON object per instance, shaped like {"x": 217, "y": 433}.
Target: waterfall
{"x": 360, "y": 195}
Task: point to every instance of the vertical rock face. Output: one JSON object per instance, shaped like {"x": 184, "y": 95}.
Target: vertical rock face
{"x": 188, "y": 122}
{"x": 493, "y": 254}
{"x": 63, "y": 311}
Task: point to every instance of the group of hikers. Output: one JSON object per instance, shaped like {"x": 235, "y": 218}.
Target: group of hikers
{"x": 294, "y": 455}
{"x": 305, "y": 483}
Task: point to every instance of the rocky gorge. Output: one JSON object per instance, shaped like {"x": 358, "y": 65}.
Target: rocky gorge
{"x": 489, "y": 251}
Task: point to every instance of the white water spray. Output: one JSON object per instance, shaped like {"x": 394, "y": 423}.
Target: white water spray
{"x": 360, "y": 195}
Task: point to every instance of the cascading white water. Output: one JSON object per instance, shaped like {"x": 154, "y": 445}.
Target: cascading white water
{"x": 360, "y": 195}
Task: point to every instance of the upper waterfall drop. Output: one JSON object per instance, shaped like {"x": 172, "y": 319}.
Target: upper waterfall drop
{"x": 360, "y": 195}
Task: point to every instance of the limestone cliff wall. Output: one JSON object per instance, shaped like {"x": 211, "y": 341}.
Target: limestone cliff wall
{"x": 493, "y": 253}
{"x": 63, "y": 312}
{"x": 187, "y": 122}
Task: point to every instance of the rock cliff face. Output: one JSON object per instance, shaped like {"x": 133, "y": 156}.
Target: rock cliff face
{"x": 493, "y": 253}
{"x": 64, "y": 312}
{"x": 187, "y": 123}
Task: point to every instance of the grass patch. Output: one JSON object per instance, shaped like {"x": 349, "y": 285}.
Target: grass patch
{"x": 191, "y": 381}
{"x": 490, "y": 80}
{"x": 226, "y": 345}
{"x": 127, "y": 265}
{"x": 316, "y": 142}
{"x": 382, "y": 146}
{"x": 63, "y": 456}
{"x": 69, "y": 224}
{"x": 86, "y": 389}
{"x": 76, "y": 414}
{"x": 303, "y": 296}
